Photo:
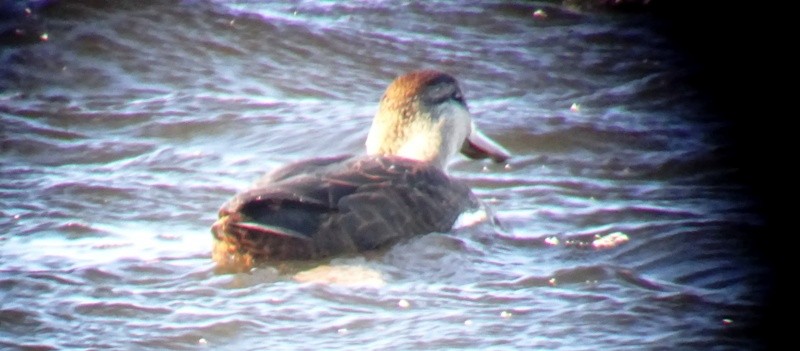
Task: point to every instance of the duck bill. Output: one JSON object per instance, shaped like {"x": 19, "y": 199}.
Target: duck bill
{"x": 479, "y": 146}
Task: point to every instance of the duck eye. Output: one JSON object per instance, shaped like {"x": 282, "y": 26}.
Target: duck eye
{"x": 458, "y": 97}
{"x": 438, "y": 95}
{"x": 441, "y": 94}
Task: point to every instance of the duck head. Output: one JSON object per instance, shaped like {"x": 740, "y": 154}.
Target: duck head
{"x": 423, "y": 116}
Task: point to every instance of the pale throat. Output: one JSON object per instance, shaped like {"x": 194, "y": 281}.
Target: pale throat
{"x": 418, "y": 141}
{"x": 425, "y": 145}
{"x": 422, "y": 139}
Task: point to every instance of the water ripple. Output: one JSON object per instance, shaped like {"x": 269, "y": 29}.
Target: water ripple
{"x": 121, "y": 136}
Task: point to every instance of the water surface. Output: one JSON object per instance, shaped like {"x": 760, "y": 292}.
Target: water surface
{"x": 129, "y": 124}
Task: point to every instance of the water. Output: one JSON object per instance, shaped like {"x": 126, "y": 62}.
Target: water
{"x": 128, "y": 125}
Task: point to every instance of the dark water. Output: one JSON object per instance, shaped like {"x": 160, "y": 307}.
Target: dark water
{"x": 127, "y": 125}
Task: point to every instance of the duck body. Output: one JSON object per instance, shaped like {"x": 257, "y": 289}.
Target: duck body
{"x": 346, "y": 204}
{"x": 339, "y": 205}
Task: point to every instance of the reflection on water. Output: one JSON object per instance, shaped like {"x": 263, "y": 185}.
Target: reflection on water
{"x": 122, "y": 134}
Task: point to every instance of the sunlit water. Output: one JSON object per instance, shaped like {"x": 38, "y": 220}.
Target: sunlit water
{"x": 128, "y": 125}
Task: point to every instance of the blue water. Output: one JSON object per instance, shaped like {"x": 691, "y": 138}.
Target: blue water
{"x": 129, "y": 124}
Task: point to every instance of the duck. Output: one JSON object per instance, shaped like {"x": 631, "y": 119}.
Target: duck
{"x": 339, "y": 205}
